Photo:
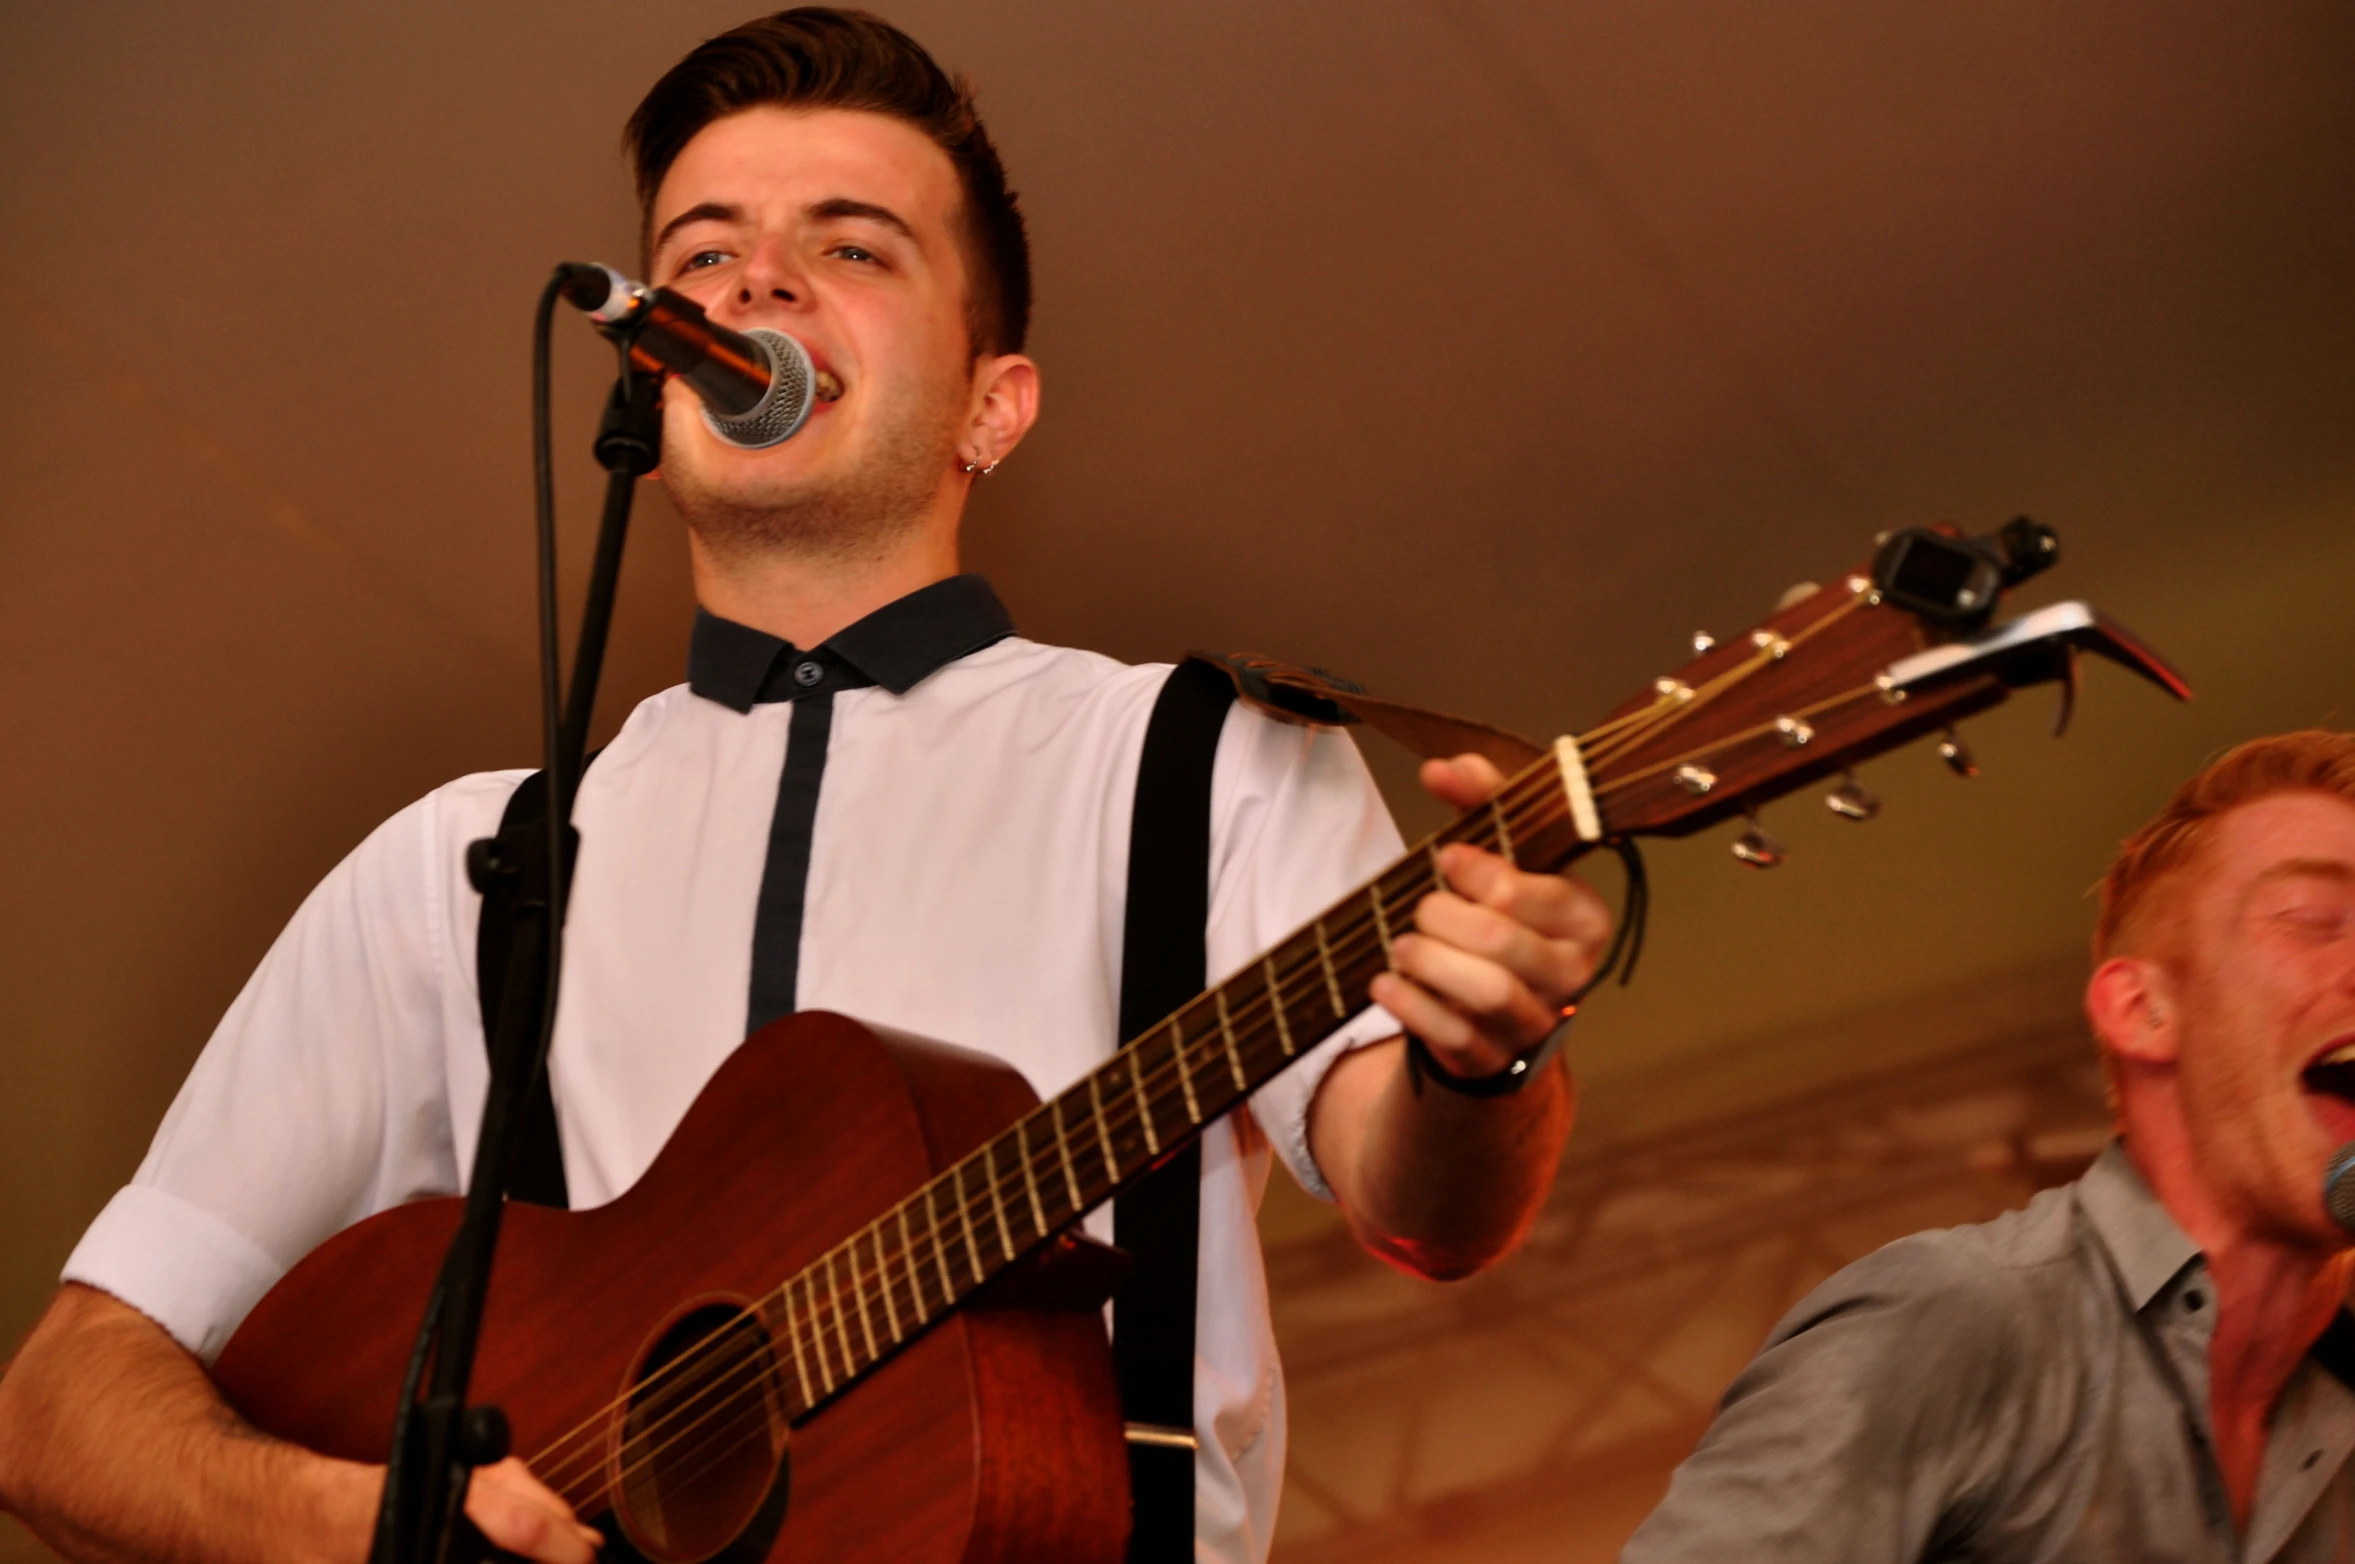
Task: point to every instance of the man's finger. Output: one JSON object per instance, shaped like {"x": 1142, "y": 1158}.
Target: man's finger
{"x": 1555, "y": 905}
{"x": 1552, "y": 967}
{"x": 1492, "y": 997}
{"x": 1462, "y": 781}
{"x": 1547, "y": 961}
{"x": 522, "y": 1515}
{"x": 1460, "y": 1046}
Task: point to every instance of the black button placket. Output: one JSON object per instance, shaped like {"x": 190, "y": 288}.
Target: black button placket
{"x": 784, "y": 884}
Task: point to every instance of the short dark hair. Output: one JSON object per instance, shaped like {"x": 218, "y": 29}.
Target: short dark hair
{"x": 818, "y": 57}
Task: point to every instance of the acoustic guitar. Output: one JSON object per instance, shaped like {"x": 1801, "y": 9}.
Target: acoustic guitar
{"x": 861, "y": 1248}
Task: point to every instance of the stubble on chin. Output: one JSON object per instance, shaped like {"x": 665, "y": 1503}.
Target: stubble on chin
{"x": 855, "y": 508}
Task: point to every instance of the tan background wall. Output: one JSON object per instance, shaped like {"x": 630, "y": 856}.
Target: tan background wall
{"x": 1479, "y": 349}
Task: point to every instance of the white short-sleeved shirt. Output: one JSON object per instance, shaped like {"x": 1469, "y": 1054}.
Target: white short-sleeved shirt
{"x": 957, "y": 832}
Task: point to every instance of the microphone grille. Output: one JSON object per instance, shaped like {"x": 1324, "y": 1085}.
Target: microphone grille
{"x": 2338, "y": 1188}
{"x": 777, "y": 416}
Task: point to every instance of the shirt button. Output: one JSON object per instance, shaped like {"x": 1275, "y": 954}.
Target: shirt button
{"x": 2195, "y": 1300}
{"x": 808, "y": 674}
{"x": 2307, "y": 1465}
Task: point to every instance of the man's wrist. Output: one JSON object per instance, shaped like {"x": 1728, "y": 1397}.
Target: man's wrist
{"x": 340, "y": 1501}
{"x": 1517, "y": 1073}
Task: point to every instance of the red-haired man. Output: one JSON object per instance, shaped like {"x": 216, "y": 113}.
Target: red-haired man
{"x": 2150, "y": 1364}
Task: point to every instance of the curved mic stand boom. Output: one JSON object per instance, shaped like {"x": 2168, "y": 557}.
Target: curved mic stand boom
{"x": 438, "y": 1439}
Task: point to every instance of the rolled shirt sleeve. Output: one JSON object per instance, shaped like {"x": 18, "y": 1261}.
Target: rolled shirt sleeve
{"x": 1301, "y": 825}
{"x": 320, "y": 1099}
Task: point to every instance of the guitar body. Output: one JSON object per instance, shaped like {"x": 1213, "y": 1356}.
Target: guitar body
{"x": 994, "y": 1435}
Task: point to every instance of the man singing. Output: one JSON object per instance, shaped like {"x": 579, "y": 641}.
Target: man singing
{"x": 2151, "y": 1364}
{"x": 869, "y": 797}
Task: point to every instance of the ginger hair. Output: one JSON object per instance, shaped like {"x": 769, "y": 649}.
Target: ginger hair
{"x": 2312, "y": 760}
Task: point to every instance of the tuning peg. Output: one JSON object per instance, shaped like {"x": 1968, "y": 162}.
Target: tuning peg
{"x": 1852, "y": 800}
{"x": 1703, "y": 643}
{"x": 1757, "y": 849}
{"x": 1957, "y": 756}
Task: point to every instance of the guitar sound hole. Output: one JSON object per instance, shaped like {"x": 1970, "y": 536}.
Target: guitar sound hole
{"x": 701, "y": 1461}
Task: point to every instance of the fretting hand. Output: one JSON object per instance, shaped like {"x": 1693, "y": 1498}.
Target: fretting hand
{"x": 1498, "y": 953}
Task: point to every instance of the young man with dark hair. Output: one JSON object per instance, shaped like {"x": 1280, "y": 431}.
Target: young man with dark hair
{"x": 870, "y": 796}
{"x": 2151, "y": 1365}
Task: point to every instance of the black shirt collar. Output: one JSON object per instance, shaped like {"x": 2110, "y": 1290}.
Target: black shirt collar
{"x": 897, "y": 646}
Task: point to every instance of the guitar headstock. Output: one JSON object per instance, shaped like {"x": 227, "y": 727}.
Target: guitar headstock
{"x": 1843, "y": 672}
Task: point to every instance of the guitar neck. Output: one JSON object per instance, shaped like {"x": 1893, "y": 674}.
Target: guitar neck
{"x": 1813, "y": 689}
{"x": 857, "y": 1303}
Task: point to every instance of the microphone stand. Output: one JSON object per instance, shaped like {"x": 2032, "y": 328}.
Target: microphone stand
{"x": 439, "y": 1439}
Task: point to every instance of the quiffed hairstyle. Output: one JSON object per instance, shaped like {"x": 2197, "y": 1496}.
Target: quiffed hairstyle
{"x": 2314, "y": 760}
{"x": 816, "y": 57}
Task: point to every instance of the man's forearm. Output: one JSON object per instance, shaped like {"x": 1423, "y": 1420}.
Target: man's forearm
{"x": 115, "y": 1446}
{"x": 1438, "y": 1181}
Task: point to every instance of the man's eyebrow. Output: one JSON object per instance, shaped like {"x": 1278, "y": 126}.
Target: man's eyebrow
{"x": 845, "y": 206}
{"x": 2335, "y": 869}
{"x": 706, "y": 212}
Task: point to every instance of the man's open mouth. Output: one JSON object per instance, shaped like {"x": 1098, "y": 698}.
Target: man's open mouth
{"x": 2330, "y": 1082}
{"x": 827, "y": 385}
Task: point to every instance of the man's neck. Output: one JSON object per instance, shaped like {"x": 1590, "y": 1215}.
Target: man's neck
{"x": 2274, "y": 1299}
{"x": 807, "y": 600}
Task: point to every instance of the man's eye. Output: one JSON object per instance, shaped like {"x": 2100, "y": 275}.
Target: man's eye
{"x": 854, "y": 252}
{"x": 702, "y": 259}
{"x": 2319, "y": 921}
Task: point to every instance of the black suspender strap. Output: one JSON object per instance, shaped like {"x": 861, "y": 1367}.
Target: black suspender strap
{"x": 537, "y": 1174}
{"x": 1158, "y": 1221}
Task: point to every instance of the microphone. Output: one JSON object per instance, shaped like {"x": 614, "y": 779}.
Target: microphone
{"x": 756, "y": 385}
{"x": 2338, "y": 1188}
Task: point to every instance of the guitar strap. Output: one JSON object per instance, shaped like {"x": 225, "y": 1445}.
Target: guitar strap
{"x": 1291, "y": 693}
{"x": 1158, "y": 1221}
{"x": 536, "y": 1176}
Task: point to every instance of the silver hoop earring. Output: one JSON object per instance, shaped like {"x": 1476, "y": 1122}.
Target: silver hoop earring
{"x": 983, "y": 469}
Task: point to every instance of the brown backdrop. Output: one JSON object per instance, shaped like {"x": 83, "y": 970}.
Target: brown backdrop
{"x": 1479, "y": 349}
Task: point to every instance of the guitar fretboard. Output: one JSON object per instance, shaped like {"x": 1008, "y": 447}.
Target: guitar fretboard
{"x": 879, "y": 1287}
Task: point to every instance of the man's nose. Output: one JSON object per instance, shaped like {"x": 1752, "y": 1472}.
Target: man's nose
{"x": 770, "y": 279}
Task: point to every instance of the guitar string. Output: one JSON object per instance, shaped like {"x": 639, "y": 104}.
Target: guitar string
{"x": 860, "y": 1291}
{"x": 1416, "y": 885}
{"x": 1250, "y": 1018}
{"x": 864, "y": 1296}
{"x": 796, "y": 1319}
{"x": 1758, "y": 661}
{"x": 865, "y": 1281}
{"x": 865, "y": 1300}
{"x": 1759, "y": 730}
{"x": 871, "y": 1285}
{"x": 733, "y": 1387}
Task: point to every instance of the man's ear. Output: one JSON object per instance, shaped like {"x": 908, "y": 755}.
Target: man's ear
{"x": 2131, "y": 1005}
{"x": 1005, "y": 405}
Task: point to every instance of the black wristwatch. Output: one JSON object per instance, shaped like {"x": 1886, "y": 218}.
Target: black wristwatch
{"x": 1504, "y": 1083}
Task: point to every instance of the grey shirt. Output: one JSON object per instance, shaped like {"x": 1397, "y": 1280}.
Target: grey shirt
{"x": 2032, "y": 1388}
